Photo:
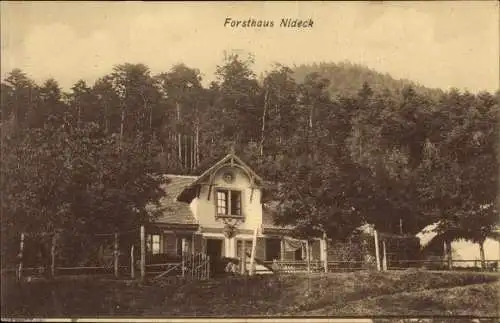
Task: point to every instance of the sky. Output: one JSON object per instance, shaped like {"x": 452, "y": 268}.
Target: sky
{"x": 437, "y": 44}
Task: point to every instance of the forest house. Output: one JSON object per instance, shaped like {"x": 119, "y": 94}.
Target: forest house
{"x": 217, "y": 213}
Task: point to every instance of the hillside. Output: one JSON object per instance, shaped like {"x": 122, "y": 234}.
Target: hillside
{"x": 347, "y": 78}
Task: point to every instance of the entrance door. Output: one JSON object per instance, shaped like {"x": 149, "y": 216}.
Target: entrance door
{"x": 273, "y": 249}
{"x": 214, "y": 248}
{"x": 214, "y": 251}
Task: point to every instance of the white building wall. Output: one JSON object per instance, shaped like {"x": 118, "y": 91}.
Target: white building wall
{"x": 204, "y": 209}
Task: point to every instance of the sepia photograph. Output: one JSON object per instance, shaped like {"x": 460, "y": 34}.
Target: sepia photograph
{"x": 254, "y": 161}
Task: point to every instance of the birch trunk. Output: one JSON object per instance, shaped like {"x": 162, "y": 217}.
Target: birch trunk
{"x": 449, "y": 256}
{"x": 384, "y": 256}
{"x": 106, "y": 121}
{"x": 21, "y": 257}
{"x": 308, "y": 257}
{"x": 143, "y": 253}
{"x": 191, "y": 149}
{"x": 266, "y": 99}
{"x": 179, "y": 144}
{"x": 325, "y": 252}
{"x": 122, "y": 127}
{"x": 445, "y": 253}
{"x": 254, "y": 250}
{"x": 197, "y": 145}
{"x": 115, "y": 255}
{"x": 53, "y": 256}
{"x": 377, "y": 252}
{"x": 79, "y": 116}
{"x": 482, "y": 255}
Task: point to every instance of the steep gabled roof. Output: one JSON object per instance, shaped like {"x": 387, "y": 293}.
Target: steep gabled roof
{"x": 230, "y": 159}
{"x": 233, "y": 160}
{"x": 174, "y": 211}
{"x": 182, "y": 189}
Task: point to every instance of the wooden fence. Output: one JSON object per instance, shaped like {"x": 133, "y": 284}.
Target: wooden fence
{"x": 317, "y": 266}
{"x": 195, "y": 266}
{"x": 298, "y": 266}
{"x": 439, "y": 264}
{"x": 191, "y": 266}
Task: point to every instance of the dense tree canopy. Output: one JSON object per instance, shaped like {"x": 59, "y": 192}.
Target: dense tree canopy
{"x": 386, "y": 152}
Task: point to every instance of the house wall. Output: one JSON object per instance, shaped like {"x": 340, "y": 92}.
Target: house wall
{"x": 169, "y": 243}
{"x": 204, "y": 208}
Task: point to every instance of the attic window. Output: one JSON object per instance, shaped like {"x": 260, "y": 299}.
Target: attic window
{"x": 228, "y": 203}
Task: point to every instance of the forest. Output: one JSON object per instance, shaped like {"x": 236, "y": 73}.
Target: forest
{"x": 340, "y": 144}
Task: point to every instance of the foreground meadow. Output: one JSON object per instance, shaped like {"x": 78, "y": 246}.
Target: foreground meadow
{"x": 412, "y": 292}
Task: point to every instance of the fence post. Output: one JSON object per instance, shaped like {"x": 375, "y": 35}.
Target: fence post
{"x": 192, "y": 265}
{"x": 132, "y": 262}
{"x": 143, "y": 253}
{"x": 243, "y": 264}
{"x": 208, "y": 266}
{"x": 282, "y": 248}
{"x": 115, "y": 255}
{"x": 308, "y": 258}
{"x": 450, "y": 255}
{"x": 445, "y": 254}
{"x": 53, "y": 256}
{"x": 184, "y": 255}
{"x": 325, "y": 252}
{"x": 377, "y": 253}
{"x": 384, "y": 259}
{"x": 21, "y": 257}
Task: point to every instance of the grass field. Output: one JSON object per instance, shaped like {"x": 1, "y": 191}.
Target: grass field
{"x": 409, "y": 292}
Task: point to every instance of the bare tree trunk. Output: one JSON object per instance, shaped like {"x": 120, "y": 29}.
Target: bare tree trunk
{"x": 179, "y": 139}
{"x": 445, "y": 253}
{"x": 449, "y": 256}
{"x": 325, "y": 252}
{"x": 384, "y": 256}
{"x": 192, "y": 147}
{"x": 122, "y": 127}
{"x": 132, "y": 262}
{"x": 143, "y": 253}
{"x": 21, "y": 257}
{"x": 115, "y": 255}
{"x": 197, "y": 145}
{"x": 150, "y": 115}
{"x": 186, "y": 151}
{"x": 308, "y": 257}
{"x": 311, "y": 111}
{"x": 53, "y": 256}
{"x": 106, "y": 122}
{"x": 482, "y": 255}
{"x": 377, "y": 251}
{"x": 78, "y": 115}
{"x": 254, "y": 250}
{"x": 266, "y": 98}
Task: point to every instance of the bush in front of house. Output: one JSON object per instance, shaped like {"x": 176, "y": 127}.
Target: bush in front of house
{"x": 225, "y": 266}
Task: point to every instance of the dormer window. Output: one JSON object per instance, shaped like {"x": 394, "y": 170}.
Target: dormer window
{"x": 228, "y": 203}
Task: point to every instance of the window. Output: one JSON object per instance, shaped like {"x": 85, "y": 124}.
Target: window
{"x": 154, "y": 243}
{"x": 228, "y": 203}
